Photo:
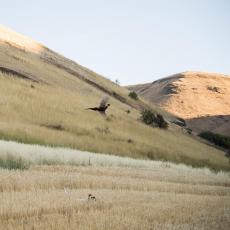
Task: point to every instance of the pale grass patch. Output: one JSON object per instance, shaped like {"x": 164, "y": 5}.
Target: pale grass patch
{"x": 36, "y": 154}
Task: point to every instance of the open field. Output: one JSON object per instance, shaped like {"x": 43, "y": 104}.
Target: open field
{"x": 130, "y": 194}
{"x": 127, "y": 165}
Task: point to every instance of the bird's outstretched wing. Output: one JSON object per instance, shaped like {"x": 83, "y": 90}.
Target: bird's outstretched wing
{"x": 103, "y": 102}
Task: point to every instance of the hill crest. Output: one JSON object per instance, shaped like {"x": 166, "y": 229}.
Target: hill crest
{"x": 194, "y": 96}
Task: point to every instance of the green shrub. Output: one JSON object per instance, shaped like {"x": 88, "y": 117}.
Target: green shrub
{"x": 217, "y": 139}
{"x": 160, "y": 121}
{"x": 150, "y": 118}
{"x": 147, "y": 116}
{"x": 133, "y": 95}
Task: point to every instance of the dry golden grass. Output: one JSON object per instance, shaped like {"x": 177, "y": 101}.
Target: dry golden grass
{"x": 163, "y": 197}
{"x": 25, "y": 113}
{"x": 59, "y": 100}
{"x": 130, "y": 194}
{"x": 193, "y": 92}
{"x": 202, "y": 98}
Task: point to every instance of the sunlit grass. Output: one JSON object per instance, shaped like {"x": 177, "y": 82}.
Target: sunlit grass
{"x": 28, "y": 115}
{"x": 165, "y": 196}
{"x": 130, "y": 193}
{"x": 47, "y": 188}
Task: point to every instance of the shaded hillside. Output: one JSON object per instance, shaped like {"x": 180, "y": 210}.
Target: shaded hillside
{"x": 203, "y": 99}
{"x": 43, "y": 97}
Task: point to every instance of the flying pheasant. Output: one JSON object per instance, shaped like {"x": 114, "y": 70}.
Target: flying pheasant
{"x": 102, "y": 107}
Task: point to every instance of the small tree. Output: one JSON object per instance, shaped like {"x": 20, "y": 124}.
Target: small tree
{"x": 117, "y": 82}
{"x": 147, "y": 116}
{"x": 133, "y": 95}
{"x": 150, "y": 118}
{"x": 161, "y": 121}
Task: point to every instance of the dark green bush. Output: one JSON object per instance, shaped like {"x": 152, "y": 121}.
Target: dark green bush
{"x": 150, "y": 118}
{"x": 160, "y": 121}
{"x": 217, "y": 139}
{"x": 133, "y": 95}
{"x": 147, "y": 116}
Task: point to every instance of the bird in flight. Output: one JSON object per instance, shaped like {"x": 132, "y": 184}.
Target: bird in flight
{"x": 102, "y": 107}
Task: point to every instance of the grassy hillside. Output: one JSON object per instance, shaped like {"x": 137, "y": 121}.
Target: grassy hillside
{"x": 43, "y": 97}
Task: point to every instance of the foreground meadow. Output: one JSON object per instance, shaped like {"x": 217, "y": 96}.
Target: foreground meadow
{"x": 130, "y": 194}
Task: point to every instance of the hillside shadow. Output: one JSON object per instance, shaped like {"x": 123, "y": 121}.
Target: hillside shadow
{"x": 217, "y": 124}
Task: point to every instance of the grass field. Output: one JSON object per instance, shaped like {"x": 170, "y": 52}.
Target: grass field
{"x": 125, "y": 164}
{"x": 30, "y": 115}
{"x": 52, "y": 111}
{"x": 130, "y": 194}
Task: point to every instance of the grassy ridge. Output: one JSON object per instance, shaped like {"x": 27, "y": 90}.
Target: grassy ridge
{"x": 32, "y": 114}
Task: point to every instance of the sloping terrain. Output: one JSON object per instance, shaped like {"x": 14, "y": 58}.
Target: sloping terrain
{"x": 43, "y": 97}
{"x": 202, "y": 99}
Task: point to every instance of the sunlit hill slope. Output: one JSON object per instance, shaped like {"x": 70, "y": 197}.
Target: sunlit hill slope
{"x": 43, "y": 97}
{"x": 201, "y": 98}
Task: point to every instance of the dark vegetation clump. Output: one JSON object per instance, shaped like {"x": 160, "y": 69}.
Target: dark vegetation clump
{"x": 147, "y": 116}
{"x": 160, "y": 121}
{"x": 12, "y": 162}
{"x": 130, "y": 141}
{"x": 53, "y": 126}
{"x": 217, "y": 139}
{"x": 117, "y": 82}
{"x": 189, "y": 131}
{"x": 214, "y": 89}
{"x": 133, "y": 95}
{"x": 151, "y": 118}
{"x": 179, "y": 121}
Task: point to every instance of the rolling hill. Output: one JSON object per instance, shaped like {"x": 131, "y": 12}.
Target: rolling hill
{"x": 43, "y": 97}
{"x": 202, "y": 99}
